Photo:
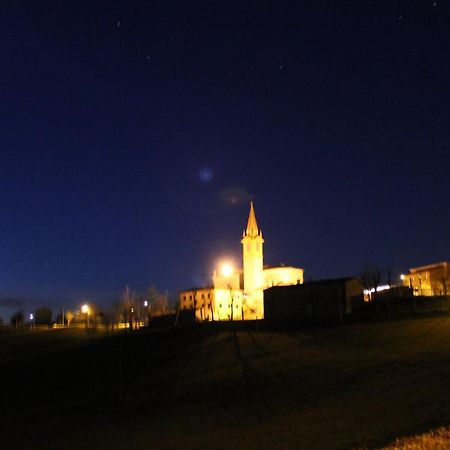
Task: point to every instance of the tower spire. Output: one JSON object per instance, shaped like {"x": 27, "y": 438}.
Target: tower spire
{"x": 252, "y": 227}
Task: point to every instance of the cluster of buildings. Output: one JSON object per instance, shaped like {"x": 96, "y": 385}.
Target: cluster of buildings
{"x": 257, "y": 291}
{"x": 237, "y": 294}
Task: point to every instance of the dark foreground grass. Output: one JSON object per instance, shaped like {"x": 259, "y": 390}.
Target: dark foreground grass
{"x": 359, "y": 386}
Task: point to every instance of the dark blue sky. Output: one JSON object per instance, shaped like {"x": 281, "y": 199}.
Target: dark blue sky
{"x": 133, "y": 135}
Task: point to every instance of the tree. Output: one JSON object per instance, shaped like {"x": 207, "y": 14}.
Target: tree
{"x": 17, "y": 319}
{"x": 370, "y": 278}
{"x": 69, "y": 317}
{"x": 129, "y": 306}
{"x": 158, "y": 301}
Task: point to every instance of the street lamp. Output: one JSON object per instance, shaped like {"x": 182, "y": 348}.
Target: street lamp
{"x": 147, "y": 305}
{"x": 226, "y": 270}
{"x": 86, "y": 310}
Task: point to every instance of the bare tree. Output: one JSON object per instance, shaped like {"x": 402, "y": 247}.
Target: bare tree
{"x": 128, "y": 304}
{"x": 158, "y": 301}
{"x": 370, "y": 278}
{"x": 17, "y": 319}
{"x": 69, "y": 317}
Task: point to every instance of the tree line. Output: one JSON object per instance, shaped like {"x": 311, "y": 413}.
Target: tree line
{"x": 131, "y": 308}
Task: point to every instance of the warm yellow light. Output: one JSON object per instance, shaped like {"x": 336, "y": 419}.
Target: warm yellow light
{"x": 226, "y": 270}
{"x": 85, "y": 309}
{"x": 402, "y": 277}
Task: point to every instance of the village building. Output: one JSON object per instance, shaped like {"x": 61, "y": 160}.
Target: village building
{"x": 237, "y": 294}
{"x": 430, "y": 280}
{"x": 315, "y": 302}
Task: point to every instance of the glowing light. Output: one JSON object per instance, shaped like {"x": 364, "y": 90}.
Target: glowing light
{"x": 226, "y": 270}
{"x": 31, "y": 316}
{"x": 384, "y": 287}
{"x": 402, "y": 277}
{"x": 85, "y": 309}
{"x": 205, "y": 174}
{"x": 145, "y": 303}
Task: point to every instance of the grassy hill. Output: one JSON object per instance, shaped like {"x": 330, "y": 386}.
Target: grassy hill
{"x": 358, "y": 386}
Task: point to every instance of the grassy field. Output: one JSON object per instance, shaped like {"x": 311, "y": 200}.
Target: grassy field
{"x": 358, "y": 386}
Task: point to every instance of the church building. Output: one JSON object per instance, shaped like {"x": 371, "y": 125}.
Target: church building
{"x": 237, "y": 294}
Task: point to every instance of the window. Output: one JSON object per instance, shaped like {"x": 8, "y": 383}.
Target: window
{"x": 190, "y": 297}
{"x": 184, "y": 297}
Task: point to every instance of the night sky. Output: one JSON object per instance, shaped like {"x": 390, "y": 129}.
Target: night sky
{"x": 134, "y": 134}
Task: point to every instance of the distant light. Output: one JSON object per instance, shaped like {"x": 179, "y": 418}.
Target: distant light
{"x": 132, "y": 310}
{"x": 226, "y": 270}
{"x": 145, "y": 303}
{"x": 31, "y": 316}
{"x": 402, "y": 277}
{"x": 383, "y": 287}
{"x": 85, "y": 309}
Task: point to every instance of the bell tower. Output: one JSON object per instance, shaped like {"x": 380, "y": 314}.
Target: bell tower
{"x": 252, "y": 250}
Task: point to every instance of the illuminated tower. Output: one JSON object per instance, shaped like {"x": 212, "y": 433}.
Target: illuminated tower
{"x": 252, "y": 250}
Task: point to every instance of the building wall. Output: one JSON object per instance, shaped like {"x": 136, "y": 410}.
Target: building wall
{"x": 318, "y": 302}
{"x": 253, "y": 263}
{"x": 252, "y": 251}
{"x": 282, "y": 276}
{"x": 200, "y": 300}
{"x": 232, "y": 281}
{"x": 214, "y": 304}
{"x": 430, "y": 280}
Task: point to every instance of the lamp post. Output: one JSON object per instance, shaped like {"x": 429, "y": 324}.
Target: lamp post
{"x": 147, "y": 305}
{"x": 85, "y": 310}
